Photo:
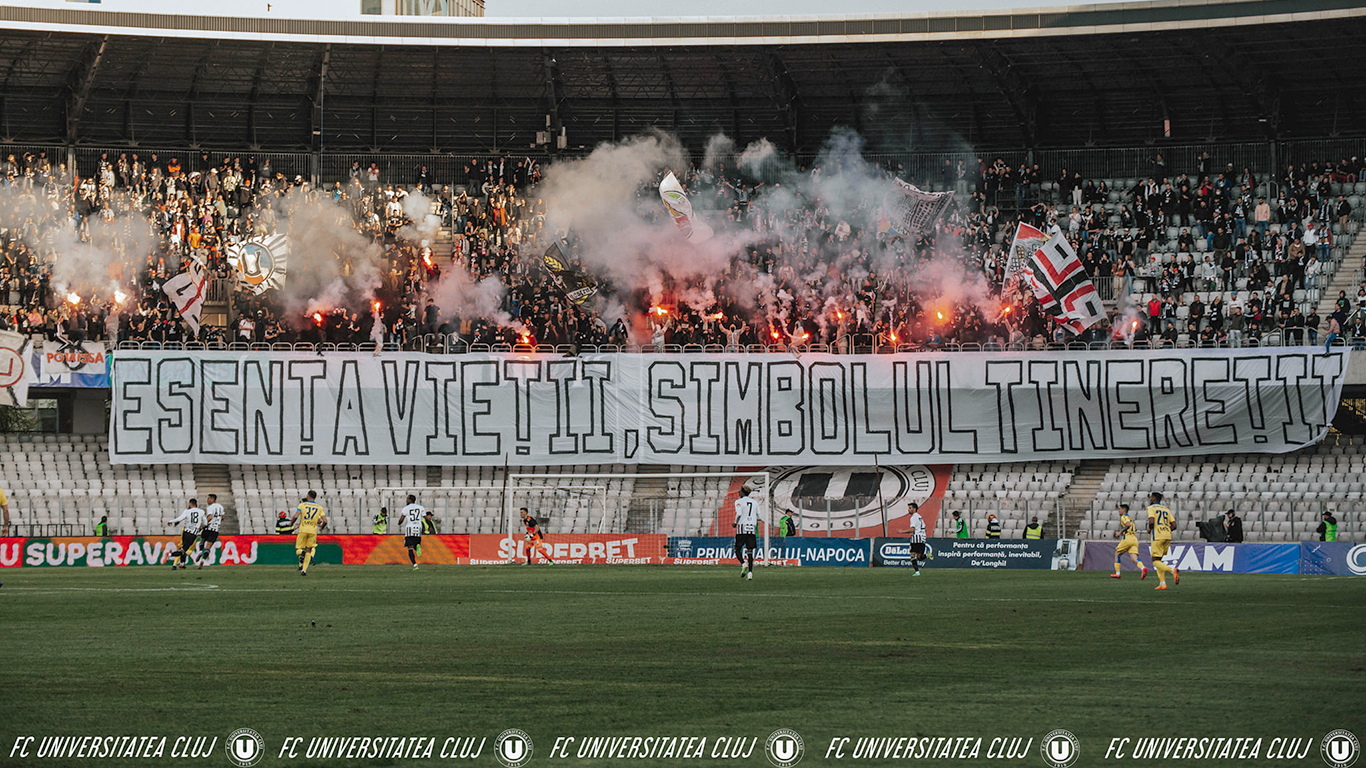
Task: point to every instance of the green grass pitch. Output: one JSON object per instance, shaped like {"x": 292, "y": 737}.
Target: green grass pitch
{"x": 675, "y": 651}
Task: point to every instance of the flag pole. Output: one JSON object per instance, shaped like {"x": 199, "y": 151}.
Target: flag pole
{"x": 881, "y": 502}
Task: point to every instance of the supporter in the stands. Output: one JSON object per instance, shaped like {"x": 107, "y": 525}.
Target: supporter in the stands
{"x": 1233, "y": 527}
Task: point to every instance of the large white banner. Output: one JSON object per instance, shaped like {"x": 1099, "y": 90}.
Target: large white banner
{"x": 716, "y": 410}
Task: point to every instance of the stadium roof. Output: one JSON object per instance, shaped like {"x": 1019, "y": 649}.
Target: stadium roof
{"x": 1108, "y": 75}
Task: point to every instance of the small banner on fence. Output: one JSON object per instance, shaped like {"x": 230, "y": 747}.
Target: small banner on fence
{"x": 1038, "y": 554}
{"x": 118, "y": 551}
{"x": 64, "y": 357}
{"x": 1204, "y": 557}
{"x": 797, "y": 550}
{"x": 596, "y": 548}
{"x": 1338, "y": 558}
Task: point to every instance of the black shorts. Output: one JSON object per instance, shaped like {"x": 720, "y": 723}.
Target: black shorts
{"x": 187, "y": 540}
{"x": 918, "y": 549}
{"x": 209, "y": 537}
{"x": 746, "y": 540}
{"x": 411, "y": 542}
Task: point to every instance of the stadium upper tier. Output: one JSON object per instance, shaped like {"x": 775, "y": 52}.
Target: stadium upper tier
{"x": 1054, "y": 77}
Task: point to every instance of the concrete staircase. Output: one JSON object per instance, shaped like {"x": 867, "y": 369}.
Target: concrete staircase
{"x": 215, "y": 479}
{"x": 1085, "y": 486}
{"x": 1345, "y": 279}
{"x": 647, "y": 500}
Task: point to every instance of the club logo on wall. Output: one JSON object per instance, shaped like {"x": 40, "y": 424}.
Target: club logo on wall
{"x": 845, "y": 499}
{"x": 260, "y": 262}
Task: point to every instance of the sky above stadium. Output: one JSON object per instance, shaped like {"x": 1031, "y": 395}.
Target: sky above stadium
{"x": 339, "y": 9}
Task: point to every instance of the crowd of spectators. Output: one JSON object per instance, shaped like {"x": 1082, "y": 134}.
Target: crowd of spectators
{"x": 807, "y": 276}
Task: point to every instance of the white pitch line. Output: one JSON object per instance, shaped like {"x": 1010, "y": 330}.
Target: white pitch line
{"x": 42, "y": 590}
{"x": 656, "y": 595}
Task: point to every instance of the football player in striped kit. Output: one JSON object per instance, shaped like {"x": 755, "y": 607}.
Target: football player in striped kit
{"x": 192, "y": 522}
{"x": 410, "y": 518}
{"x": 209, "y": 536}
{"x": 746, "y": 527}
{"x": 916, "y": 530}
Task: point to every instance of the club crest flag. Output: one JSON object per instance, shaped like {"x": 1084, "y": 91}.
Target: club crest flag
{"x": 1057, "y": 277}
{"x": 260, "y": 262}
{"x": 14, "y": 369}
{"x": 919, "y": 210}
{"x": 187, "y": 291}
{"x": 671, "y": 192}
{"x": 577, "y": 286}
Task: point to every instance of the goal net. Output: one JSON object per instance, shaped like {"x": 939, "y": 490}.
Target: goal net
{"x": 659, "y": 505}
{"x": 481, "y": 508}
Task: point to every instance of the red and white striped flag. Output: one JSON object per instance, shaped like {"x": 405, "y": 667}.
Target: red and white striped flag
{"x": 1058, "y": 278}
{"x": 187, "y": 291}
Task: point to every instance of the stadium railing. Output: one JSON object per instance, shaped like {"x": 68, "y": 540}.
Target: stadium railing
{"x": 847, "y": 345}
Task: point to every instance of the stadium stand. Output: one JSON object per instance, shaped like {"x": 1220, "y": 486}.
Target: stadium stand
{"x": 144, "y": 188}
{"x": 1280, "y": 498}
{"x": 62, "y": 484}
{"x": 1012, "y": 492}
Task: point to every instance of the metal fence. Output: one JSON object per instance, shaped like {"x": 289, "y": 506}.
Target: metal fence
{"x": 453, "y": 345}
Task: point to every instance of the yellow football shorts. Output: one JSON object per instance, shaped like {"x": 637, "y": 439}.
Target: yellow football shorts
{"x": 1127, "y": 545}
{"x": 1159, "y": 547}
{"x": 306, "y": 540}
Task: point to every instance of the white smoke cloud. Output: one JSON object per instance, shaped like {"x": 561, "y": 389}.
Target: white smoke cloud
{"x": 331, "y": 264}
{"x": 425, "y": 224}
{"x": 82, "y": 261}
{"x": 457, "y": 294}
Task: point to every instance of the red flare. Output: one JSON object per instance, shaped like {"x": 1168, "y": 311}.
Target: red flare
{"x": 318, "y": 318}
{"x": 659, "y": 311}
{"x": 526, "y": 338}
{"x": 74, "y": 299}
{"x": 940, "y": 314}
{"x": 377, "y": 306}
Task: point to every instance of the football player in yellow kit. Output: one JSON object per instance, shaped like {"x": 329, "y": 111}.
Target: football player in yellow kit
{"x": 310, "y": 517}
{"x": 1160, "y": 524}
{"x": 1128, "y": 542}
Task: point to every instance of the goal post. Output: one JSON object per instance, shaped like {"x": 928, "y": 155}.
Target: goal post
{"x": 478, "y": 508}
{"x": 676, "y": 504}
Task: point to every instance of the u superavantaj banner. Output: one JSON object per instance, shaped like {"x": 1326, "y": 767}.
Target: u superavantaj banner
{"x": 717, "y": 410}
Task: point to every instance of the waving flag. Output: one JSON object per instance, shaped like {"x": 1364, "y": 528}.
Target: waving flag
{"x": 577, "y": 286}
{"x": 918, "y": 210}
{"x": 187, "y": 291}
{"x": 1057, "y": 277}
{"x": 260, "y": 262}
{"x": 15, "y": 369}
{"x": 671, "y": 192}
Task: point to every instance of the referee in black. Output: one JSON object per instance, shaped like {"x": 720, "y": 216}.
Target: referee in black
{"x": 746, "y": 526}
